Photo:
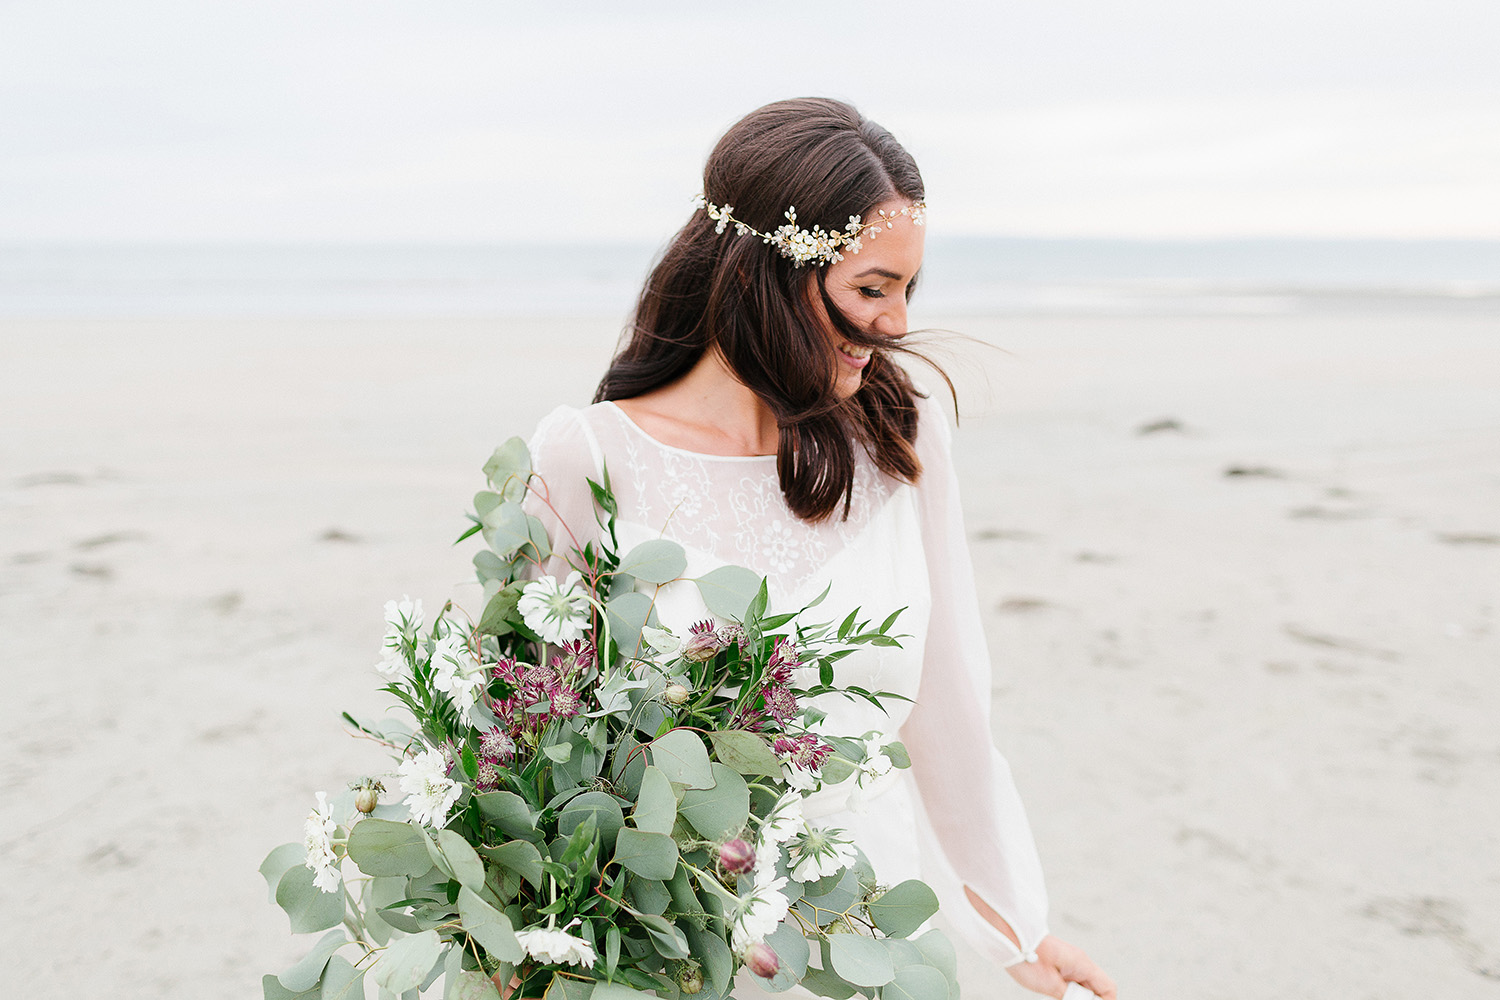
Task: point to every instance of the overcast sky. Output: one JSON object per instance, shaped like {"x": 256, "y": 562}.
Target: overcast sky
{"x": 370, "y": 120}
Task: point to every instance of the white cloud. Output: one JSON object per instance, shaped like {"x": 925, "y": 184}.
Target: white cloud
{"x": 379, "y": 120}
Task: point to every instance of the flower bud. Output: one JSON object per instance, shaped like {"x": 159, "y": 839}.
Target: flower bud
{"x": 701, "y": 646}
{"x": 736, "y": 856}
{"x": 676, "y": 694}
{"x": 367, "y": 794}
{"x": 761, "y": 960}
{"x": 690, "y": 978}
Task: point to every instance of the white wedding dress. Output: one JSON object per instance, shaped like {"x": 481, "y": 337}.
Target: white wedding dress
{"x": 954, "y": 818}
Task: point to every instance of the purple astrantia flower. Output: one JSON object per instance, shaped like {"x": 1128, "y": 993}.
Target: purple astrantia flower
{"x": 565, "y": 702}
{"x": 581, "y": 652}
{"x": 488, "y": 775}
{"x": 703, "y": 643}
{"x": 781, "y": 704}
{"x": 805, "y": 751}
{"x": 784, "y": 659}
{"x": 497, "y": 746}
{"x": 749, "y": 719}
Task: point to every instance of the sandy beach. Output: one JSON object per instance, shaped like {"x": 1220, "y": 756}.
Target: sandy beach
{"x": 1241, "y": 576}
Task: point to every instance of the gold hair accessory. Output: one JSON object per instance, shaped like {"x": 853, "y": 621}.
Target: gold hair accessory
{"x": 816, "y": 245}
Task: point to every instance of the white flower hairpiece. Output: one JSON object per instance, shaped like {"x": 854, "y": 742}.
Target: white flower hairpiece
{"x": 816, "y": 245}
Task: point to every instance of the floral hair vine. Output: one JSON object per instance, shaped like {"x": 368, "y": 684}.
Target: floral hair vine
{"x": 816, "y": 245}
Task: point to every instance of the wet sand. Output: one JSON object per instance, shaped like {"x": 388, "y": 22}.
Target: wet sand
{"x": 1242, "y": 579}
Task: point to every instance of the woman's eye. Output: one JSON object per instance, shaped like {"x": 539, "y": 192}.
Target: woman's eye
{"x": 872, "y": 293}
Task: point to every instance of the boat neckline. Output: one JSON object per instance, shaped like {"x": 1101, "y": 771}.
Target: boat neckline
{"x": 681, "y": 451}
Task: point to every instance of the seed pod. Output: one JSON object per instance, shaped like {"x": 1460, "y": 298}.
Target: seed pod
{"x": 676, "y": 694}
{"x": 736, "y": 856}
{"x": 761, "y": 960}
{"x": 690, "y": 978}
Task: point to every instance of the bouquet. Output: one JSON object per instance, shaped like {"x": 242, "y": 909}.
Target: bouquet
{"x": 588, "y": 806}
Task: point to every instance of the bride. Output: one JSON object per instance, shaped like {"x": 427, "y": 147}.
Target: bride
{"x": 757, "y": 414}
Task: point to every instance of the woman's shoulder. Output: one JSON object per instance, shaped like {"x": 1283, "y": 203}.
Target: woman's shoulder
{"x": 934, "y": 424}
{"x": 567, "y": 439}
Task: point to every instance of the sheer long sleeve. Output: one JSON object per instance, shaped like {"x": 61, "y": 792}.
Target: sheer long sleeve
{"x": 564, "y": 455}
{"x": 970, "y": 802}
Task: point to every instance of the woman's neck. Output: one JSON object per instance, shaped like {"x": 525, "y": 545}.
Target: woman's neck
{"x": 708, "y": 410}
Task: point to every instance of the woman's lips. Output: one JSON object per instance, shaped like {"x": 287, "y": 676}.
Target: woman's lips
{"x": 854, "y": 356}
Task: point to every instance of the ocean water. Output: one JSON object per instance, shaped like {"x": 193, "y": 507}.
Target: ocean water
{"x": 961, "y": 276}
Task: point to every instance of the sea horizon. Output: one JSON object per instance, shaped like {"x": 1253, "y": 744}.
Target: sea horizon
{"x": 963, "y": 275}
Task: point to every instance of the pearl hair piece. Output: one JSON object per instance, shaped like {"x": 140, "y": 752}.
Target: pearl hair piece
{"x": 816, "y": 245}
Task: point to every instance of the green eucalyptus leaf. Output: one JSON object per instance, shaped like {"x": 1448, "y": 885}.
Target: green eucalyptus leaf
{"x": 308, "y": 907}
{"x": 383, "y": 847}
{"x": 499, "y": 610}
{"x": 826, "y": 984}
{"x": 649, "y": 855}
{"x": 790, "y": 946}
{"x": 648, "y": 895}
{"x": 720, "y": 811}
{"x": 655, "y": 561}
{"x": 628, "y": 614}
{"x": 472, "y": 985}
{"x": 939, "y": 953}
{"x": 602, "y": 806}
{"x": 304, "y": 975}
{"x": 615, "y": 991}
{"x": 728, "y": 590}
{"x": 896, "y": 751}
{"x": 508, "y": 811}
{"x": 666, "y": 937}
{"x": 506, "y": 529}
{"x": 271, "y": 989}
{"x": 406, "y": 962}
{"x": 860, "y": 960}
{"x": 509, "y": 467}
{"x": 682, "y": 758}
{"x": 519, "y": 856}
{"x": 746, "y": 752}
{"x": 278, "y": 863}
{"x": 488, "y": 926}
{"x": 916, "y": 982}
{"x": 342, "y": 981}
{"x": 718, "y": 961}
{"x": 567, "y": 988}
{"x": 465, "y": 864}
{"x": 903, "y": 908}
{"x": 656, "y": 807}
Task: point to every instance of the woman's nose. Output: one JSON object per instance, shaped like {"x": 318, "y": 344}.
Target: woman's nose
{"x": 892, "y": 320}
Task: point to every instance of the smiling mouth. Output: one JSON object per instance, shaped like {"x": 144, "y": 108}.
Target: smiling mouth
{"x": 856, "y": 353}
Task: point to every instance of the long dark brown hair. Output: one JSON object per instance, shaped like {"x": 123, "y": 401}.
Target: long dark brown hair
{"x": 741, "y": 295}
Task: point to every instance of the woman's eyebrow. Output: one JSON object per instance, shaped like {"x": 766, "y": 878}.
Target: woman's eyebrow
{"x": 880, "y": 271}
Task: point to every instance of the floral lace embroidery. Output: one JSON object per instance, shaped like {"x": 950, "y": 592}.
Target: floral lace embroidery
{"x": 730, "y": 508}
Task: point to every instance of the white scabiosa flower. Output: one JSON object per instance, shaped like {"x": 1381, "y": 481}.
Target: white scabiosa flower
{"x": 819, "y": 853}
{"x": 456, "y": 671}
{"x": 558, "y": 613}
{"x": 785, "y": 819}
{"x": 760, "y": 912}
{"x": 403, "y": 618}
{"x": 556, "y": 946}
{"x": 876, "y": 762}
{"x": 430, "y": 793}
{"x": 318, "y": 839}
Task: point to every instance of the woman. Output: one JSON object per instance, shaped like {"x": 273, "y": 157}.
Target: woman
{"x": 756, "y": 415}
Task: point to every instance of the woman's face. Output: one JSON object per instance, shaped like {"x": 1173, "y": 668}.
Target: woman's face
{"x": 872, "y": 287}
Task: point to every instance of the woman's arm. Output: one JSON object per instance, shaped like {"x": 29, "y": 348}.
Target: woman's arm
{"x": 965, "y": 785}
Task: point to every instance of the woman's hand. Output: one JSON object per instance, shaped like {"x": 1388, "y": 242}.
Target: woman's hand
{"x": 1058, "y": 964}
